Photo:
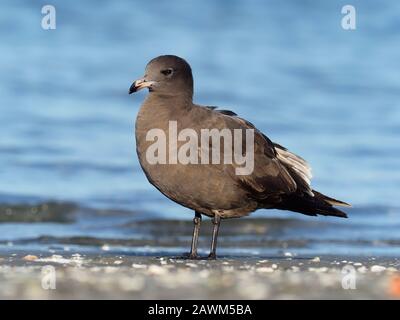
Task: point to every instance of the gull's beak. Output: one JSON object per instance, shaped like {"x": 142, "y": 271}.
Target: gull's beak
{"x": 140, "y": 84}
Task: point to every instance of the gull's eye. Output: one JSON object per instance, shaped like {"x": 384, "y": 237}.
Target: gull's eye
{"x": 167, "y": 72}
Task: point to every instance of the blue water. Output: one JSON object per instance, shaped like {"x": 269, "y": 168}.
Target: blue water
{"x": 330, "y": 95}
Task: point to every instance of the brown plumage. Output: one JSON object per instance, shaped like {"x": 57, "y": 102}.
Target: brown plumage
{"x": 280, "y": 179}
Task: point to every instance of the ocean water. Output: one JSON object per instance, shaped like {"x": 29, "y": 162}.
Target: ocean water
{"x": 69, "y": 175}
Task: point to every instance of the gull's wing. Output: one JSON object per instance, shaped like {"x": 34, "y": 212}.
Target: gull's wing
{"x": 297, "y": 167}
{"x": 280, "y": 179}
{"x": 270, "y": 177}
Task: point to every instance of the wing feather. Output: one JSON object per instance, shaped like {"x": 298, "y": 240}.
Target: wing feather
{"x": 270, "y": 177}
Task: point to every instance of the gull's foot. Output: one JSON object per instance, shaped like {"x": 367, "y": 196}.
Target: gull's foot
{"x": 193, "y": 256}
{"x": 189, "y": 256}
{"x": 212, "y": 256}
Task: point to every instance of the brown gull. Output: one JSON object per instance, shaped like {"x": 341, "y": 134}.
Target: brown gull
{"x": 279, "y": 179}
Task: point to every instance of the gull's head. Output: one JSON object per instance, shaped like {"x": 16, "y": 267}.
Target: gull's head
{"x": 166, "y": 75}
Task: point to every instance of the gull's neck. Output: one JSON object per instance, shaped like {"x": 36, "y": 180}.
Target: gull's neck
{"x": 176, "y": 102}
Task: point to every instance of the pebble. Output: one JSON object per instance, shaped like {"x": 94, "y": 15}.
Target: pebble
{"x": 30, "y": 257}
{"x": 265, "y": 270}
{"x": 391, "y": 269}
{"x": 377, "y": 268}
{"x": 318, "y": 270}
{"x": 56, "y": 259}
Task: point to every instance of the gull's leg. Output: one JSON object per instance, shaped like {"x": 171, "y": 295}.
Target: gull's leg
{"x": 195, "y": 239}
{"x": 216, "y": 222}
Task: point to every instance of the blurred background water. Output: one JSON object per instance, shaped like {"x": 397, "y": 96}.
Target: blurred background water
{"x": 66, "y": 120}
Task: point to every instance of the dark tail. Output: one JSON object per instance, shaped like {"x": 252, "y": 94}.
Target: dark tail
{"x": 312, "y": 206}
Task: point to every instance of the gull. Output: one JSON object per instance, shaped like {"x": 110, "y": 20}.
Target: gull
{"x": 279, "y": 178}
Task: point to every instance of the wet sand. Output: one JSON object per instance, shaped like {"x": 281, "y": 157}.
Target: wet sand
{"x": 150, "y": 277}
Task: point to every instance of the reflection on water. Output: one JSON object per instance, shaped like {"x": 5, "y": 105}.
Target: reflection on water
{"x": 67, "y": 121}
